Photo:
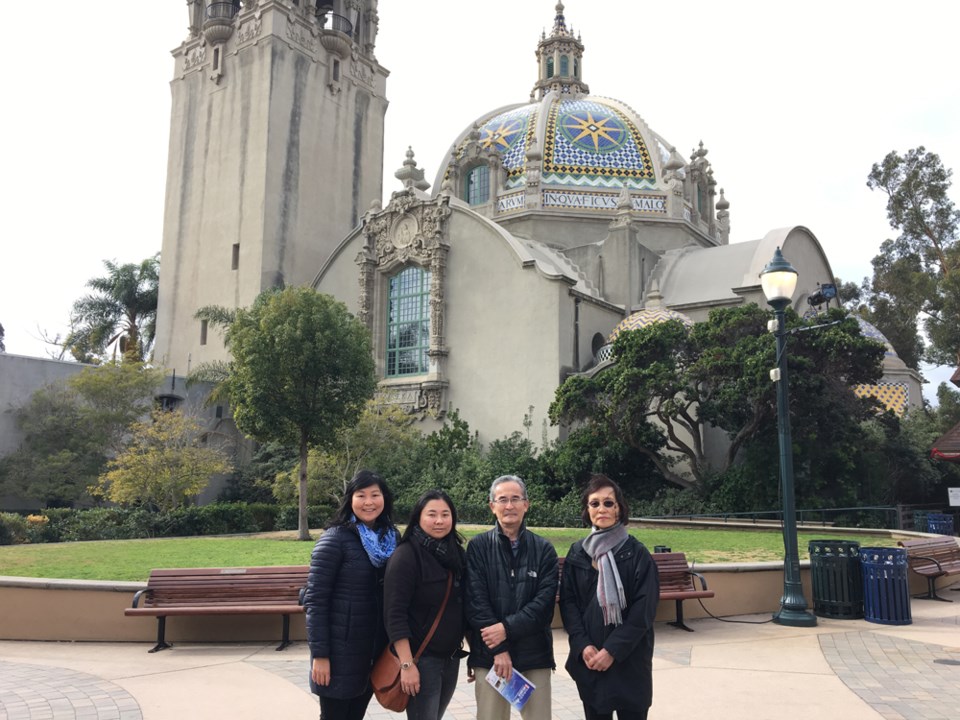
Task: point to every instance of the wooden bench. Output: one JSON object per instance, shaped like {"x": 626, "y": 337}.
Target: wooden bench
{"x": 677, "y": 583}
{"x": 933, "y": 557}
{"x": 221, "y": 591}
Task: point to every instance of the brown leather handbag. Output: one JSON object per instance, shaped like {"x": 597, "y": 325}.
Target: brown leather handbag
{"x": 385, "y": 676}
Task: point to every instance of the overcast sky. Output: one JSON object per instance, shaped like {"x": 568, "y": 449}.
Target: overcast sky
{"x": 794, "y": 101}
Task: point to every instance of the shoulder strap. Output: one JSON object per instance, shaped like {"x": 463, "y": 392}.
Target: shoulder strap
{"x": 436, "y": 620}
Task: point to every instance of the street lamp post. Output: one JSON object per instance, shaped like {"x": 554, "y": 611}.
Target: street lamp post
{"x": 779, "y": 280}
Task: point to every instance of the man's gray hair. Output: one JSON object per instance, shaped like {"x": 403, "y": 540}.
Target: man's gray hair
{"x": 505, "y": 479}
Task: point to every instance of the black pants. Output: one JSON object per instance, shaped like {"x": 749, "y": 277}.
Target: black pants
{"x": 349, "y": 709}
{"x": 438, "y": 680}
{"x": 590, "y": 714}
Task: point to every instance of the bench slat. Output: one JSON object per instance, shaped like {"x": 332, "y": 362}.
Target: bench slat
{"x": 221, "y": 591}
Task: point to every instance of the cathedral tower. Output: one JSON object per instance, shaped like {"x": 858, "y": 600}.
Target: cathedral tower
{"x": 276, "y": 150}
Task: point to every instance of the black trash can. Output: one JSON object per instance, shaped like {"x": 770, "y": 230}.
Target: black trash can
{"x": 886, "y": 588}
{"x": 661, "y": 549}
{"x": 837, "y": 580}
{"x": 940, "y": 523}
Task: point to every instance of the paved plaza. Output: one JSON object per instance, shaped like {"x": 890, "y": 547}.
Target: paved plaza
{"x": 843, "y": 669}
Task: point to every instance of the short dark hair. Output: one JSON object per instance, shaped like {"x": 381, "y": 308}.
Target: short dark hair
{"x": 598, "y": 481}
{"x": 414, "y": 520}
{"x": 364, "y": 479}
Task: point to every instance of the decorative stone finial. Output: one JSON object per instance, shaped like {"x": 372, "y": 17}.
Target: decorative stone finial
{"x": 723, "y": 203}
{"x": 654, "y": 297}
{"x": 674, "y": 162}
{"x": 624, "y": 202}
{"x": 410, "y": 175}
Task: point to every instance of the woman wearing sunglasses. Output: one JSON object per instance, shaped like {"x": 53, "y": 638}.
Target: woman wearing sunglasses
{"x": 608, "y": 599}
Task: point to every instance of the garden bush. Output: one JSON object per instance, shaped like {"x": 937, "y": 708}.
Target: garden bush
{"x": 13, "y": 529}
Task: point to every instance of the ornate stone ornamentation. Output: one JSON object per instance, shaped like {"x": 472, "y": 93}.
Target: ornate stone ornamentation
{"x": 301, "y": 36}
{"x": 195, "y": 57}
{"x": 361, "y": 73}
{"x": 249, "y": 30}
{"x": 409, "y": 230}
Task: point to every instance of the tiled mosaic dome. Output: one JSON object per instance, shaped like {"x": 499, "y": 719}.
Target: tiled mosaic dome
{"x": 640, "y": 319}
{"x": 893, "y": 396}
{"x": 868, "y": 330}
{"x": 648, "y": 316}
{"x": 586, "y": 142}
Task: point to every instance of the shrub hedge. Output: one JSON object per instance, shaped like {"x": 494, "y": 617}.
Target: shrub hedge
{"x": 115, "y": 523}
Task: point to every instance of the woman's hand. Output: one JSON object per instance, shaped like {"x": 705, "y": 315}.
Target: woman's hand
{"x": 601, "y": 661}
{"x": 410, "y": 680}
{"x": 588, "y": 653}
{"x": 320, "y": 672}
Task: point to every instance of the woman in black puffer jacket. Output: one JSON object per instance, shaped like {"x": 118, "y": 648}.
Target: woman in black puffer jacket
{"x": 344, "y": 597}
{"x": 608, "y": 599}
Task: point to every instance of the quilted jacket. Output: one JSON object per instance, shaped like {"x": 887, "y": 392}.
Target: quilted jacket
{"x": 518, "y": 590}
{"x": 344, "y": 609}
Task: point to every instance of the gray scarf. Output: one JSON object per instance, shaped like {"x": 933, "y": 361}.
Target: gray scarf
{"x": 599, "y": 545}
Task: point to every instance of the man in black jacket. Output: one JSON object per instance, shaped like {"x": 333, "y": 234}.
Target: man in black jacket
{"x": 511, "y": 591}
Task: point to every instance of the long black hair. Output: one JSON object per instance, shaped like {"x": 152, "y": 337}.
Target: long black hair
{"x": 364, "y": 479}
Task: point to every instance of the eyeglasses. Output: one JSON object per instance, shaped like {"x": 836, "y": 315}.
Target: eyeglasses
{"x": 515, "y": 500}
{"x": 606, "y": 503}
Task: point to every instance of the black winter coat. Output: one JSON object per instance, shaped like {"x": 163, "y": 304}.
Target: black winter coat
{"x": 628, "y": 683}
{"x": 414, "y": 588}
{"x": 518, "y": 591}
{"x": 344, "y": 608}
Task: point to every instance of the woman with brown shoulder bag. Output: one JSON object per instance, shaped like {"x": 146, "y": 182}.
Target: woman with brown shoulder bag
{"x": 423, "y": 601}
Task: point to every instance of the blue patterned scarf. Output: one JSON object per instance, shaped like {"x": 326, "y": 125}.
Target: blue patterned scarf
{"x": 379, "y": 547}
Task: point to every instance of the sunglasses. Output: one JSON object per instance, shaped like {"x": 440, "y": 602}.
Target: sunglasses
{"x": 605, "y": 503}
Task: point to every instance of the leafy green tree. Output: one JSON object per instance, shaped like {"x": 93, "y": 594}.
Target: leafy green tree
{"x": 383, "y": 438}
{"x": 669, "y": 385}
{"x": 302, "y": 369}
{"x": 121, "y": 313}
{"x": 164, "y": 465}
{"x": 70, "y": 429}
{"x": 918, "y": 273}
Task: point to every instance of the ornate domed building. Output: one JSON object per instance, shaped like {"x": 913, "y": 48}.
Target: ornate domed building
{"x": 900, "y": 386}
{"x": 554, "y": 224}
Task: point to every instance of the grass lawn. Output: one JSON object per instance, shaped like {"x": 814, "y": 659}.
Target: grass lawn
{"x": 133, "y": 559}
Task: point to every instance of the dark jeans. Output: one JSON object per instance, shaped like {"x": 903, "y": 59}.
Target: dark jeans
{"x": 349, "y": 709}
{"x": 438, "y": 680}
{"x": 590, "y": 714}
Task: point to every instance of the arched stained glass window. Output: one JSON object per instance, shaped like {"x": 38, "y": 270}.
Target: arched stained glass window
{"x": 564, "y": 66}
{"x": 478, "y": 185}
{"x": 408, "y": 322}
{"x": 549, "y": 67}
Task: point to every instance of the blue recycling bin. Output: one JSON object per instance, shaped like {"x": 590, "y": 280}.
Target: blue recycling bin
{"x": 940, "y": 523}
{"x": 886, "y": 588}
{"x": 837, "y": 579}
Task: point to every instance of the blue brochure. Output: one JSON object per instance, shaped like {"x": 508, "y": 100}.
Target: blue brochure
{"x": 516, "y": 691}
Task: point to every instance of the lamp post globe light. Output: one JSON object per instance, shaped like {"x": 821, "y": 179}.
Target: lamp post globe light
{"x": 779, "y": 280}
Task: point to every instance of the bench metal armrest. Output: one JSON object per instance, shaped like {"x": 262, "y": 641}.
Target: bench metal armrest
{"x": 139, "y": 593}
{"x": 703, "y": 580}
{"x": 924, "y": 557}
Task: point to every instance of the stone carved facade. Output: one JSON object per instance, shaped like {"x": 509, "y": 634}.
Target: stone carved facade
{"x": 409, "y": 230}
